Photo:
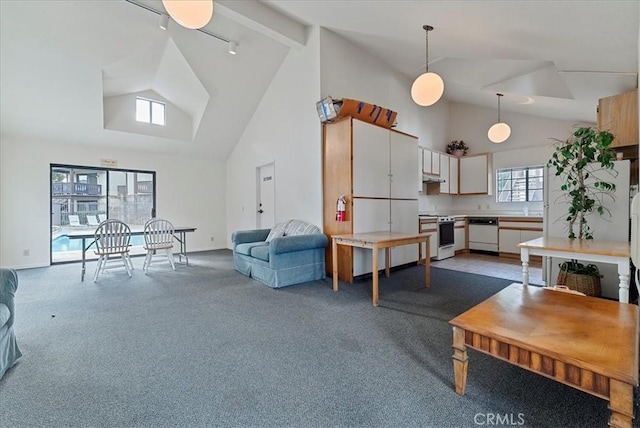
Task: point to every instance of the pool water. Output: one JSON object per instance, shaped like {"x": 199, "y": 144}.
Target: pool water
{"x": 63, "y": 243}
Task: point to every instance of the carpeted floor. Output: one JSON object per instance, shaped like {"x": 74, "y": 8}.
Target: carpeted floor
{"x": 205, "y": 346}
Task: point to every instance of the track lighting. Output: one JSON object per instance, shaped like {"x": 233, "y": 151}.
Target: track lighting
{"x": 233, "y": 47}
{"x": 163, "y": 21}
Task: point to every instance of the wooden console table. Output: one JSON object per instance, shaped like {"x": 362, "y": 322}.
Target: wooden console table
{"x": 593, "y": 348}
{"x": 592, "y": 250}
{"x": 376, "y": 241}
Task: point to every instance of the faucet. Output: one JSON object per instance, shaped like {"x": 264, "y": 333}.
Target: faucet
{"x": 526, "y": 210}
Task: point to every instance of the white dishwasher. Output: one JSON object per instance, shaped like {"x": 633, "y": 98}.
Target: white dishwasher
{"x": 483, "y": 234}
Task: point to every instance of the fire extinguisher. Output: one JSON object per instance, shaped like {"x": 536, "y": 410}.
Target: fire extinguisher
{"x": 341, "y": 205}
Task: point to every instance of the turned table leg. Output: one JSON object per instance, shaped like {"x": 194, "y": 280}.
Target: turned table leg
{"x": 460, "y": 360}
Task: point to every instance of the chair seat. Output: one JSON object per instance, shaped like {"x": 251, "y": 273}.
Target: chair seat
{"x": 158, "y": 246}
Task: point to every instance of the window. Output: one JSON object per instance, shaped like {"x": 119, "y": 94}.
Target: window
{"x": 149, "y": 111}
{"x": 523, "y": 184}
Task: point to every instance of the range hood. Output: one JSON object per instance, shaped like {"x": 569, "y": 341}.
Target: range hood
{"x": 431, "y": 179}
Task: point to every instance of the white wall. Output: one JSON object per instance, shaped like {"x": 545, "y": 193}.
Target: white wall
{"x": 285, "y": 129}
{"x": 120, "y": 115}
{"x": 190, "y": 192}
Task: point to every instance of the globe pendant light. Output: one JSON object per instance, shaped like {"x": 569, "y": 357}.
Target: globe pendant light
{"x": 192, "y": 14}
{"x": 499, "y": 132}
{"x": 428, "y": 87}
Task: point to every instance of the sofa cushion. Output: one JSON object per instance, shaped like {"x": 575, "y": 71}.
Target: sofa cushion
{"x": 261, "y": 252}
{"x": 5, "y": 314}
{"x": 299, "y": 227}
{"x": 246, "y": 247}
{"x": 276, "y": 232}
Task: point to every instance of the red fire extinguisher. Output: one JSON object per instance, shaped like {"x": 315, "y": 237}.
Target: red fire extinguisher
{"x": 341, "y": 205}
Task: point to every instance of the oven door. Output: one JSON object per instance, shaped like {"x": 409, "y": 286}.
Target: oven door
{"x": 445, "y": 234}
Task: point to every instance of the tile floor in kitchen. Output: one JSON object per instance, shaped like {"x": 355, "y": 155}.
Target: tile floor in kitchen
{"x": 499, "y": 267}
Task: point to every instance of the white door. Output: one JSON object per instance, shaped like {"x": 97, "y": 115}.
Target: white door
{"x": 370, "y": 161}
{"x": 266, "y": 197}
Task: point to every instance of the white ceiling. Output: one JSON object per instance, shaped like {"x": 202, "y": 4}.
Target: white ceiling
{"x": 549, "y": 58}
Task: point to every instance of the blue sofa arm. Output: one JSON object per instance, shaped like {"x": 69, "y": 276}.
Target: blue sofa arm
{"x": 8, "y": 287}
{"x": 288, "y": 244}
{"x": 244, "y": 236}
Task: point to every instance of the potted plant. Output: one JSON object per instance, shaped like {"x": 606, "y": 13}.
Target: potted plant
{"x": 457, "y": 148}
{"x": 580, "y": 161}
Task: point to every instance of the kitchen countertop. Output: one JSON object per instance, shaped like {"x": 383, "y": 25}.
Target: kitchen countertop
{"x": 486, "y": 214}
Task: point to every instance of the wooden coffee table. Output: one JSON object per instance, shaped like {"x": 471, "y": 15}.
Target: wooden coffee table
{"x": 588, "y": 343}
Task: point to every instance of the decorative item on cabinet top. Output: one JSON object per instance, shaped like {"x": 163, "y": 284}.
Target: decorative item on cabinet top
{"x": 457, "y": 148}
{"x": 330, "y": 109}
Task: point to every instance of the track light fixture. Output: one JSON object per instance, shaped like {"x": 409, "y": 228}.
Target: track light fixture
{"x": 499, "y": 132}
{"x": 192, "y": 14}
{"x": 233, "y": 47}
{"x": 163, "y": 22}
{"x": 428, "y": 87}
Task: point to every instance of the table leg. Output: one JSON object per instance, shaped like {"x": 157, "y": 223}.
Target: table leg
{"x": 524, "y": 256}
{"x": 374, "y": 273}
{"x": 334, "y": 263}
{"x": 387, "y": 261}
{"x": 623, "y": 273}
{"x": 427, "y": 266}
{"x": 620, "y": 404}
{"x": 183, "y": 247}
{"x": 460, "y": 360}
{"x": 84, "y": 258}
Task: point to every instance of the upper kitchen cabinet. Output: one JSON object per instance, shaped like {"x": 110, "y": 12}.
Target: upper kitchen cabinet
{"x": 618, "y": 114}
{"x": 430, "y": 162}
{"x": 449, "y": 166}
{"x": 475, "y": 174}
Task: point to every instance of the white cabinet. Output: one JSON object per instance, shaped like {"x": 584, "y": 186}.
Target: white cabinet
{"x": 514, "y": 230}
{"x": 475, "y": 175}
{"x": 460, "y": 234}
{"x": 374, "y": 168}
{"x": 430, "y": 227}
{"x": 430, "y": 162}
{"x": 444, "y": 174}
{"x": 453, "y": 175}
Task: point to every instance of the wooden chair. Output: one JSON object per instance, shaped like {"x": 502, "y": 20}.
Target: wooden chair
{"x": 158, "y": 235}
{"x": 112, "y": 239}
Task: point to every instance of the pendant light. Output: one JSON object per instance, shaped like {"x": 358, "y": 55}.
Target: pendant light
{"x": 428, "y": 87}
{"x": 192, "y": 14}
{"x": 499, "y": 132}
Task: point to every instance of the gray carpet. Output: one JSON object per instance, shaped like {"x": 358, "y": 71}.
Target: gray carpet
{"x": 205, "y": 346}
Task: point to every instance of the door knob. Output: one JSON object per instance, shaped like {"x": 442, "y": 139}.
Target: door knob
{"x": 260, "y": 211}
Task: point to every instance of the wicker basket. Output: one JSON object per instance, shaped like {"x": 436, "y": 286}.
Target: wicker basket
{"x": 587, "y": 284}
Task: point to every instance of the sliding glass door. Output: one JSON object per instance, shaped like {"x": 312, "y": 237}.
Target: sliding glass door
{"x": 82, "y": 197}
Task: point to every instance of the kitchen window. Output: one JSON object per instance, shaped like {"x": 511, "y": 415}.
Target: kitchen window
{"x": 522, "y": 184}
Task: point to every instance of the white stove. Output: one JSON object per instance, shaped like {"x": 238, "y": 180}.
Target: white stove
{"x": 445, "y": 235}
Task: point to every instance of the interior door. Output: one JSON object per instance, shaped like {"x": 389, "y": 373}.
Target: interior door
{"x": 266, "y": 197}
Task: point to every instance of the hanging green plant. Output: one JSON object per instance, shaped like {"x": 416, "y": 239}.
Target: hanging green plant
{"x": 580, "y": 160}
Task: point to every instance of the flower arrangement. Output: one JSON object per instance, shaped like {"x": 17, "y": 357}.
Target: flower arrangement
{"x": 459, "y": 148}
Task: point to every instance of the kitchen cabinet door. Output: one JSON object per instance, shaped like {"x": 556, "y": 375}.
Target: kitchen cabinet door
{"x": 618, "y": 114}
{"x": 508, "y": 241}
{"x": 426, "y": 161}
{"x": 459, "y": 239}
{"x": 474, "y": 175}
{"x": 444, "y": 174}
{"x": 370, "y": 160}
{"x": 404, "y": 218}
{"x": 369, "y": 215}
{"x": 453, "y": 175}
{"x": 403, "y": 151}
{"x": 435, "y": 163}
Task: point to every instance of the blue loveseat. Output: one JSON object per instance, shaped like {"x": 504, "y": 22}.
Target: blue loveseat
{"x": 290, "y": 253}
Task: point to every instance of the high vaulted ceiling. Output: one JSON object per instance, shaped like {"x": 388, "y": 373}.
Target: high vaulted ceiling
{"x": 59, "y": 59}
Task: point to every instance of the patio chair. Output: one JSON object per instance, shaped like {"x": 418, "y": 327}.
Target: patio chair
{"x": 74, "y": 220}
{"x": 92, "y": 220}
{"x": 158, "y": 235}
{"x": 112, "y": 239}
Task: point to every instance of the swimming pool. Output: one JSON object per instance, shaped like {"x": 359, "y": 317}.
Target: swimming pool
{"x": 63, "y": 243}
